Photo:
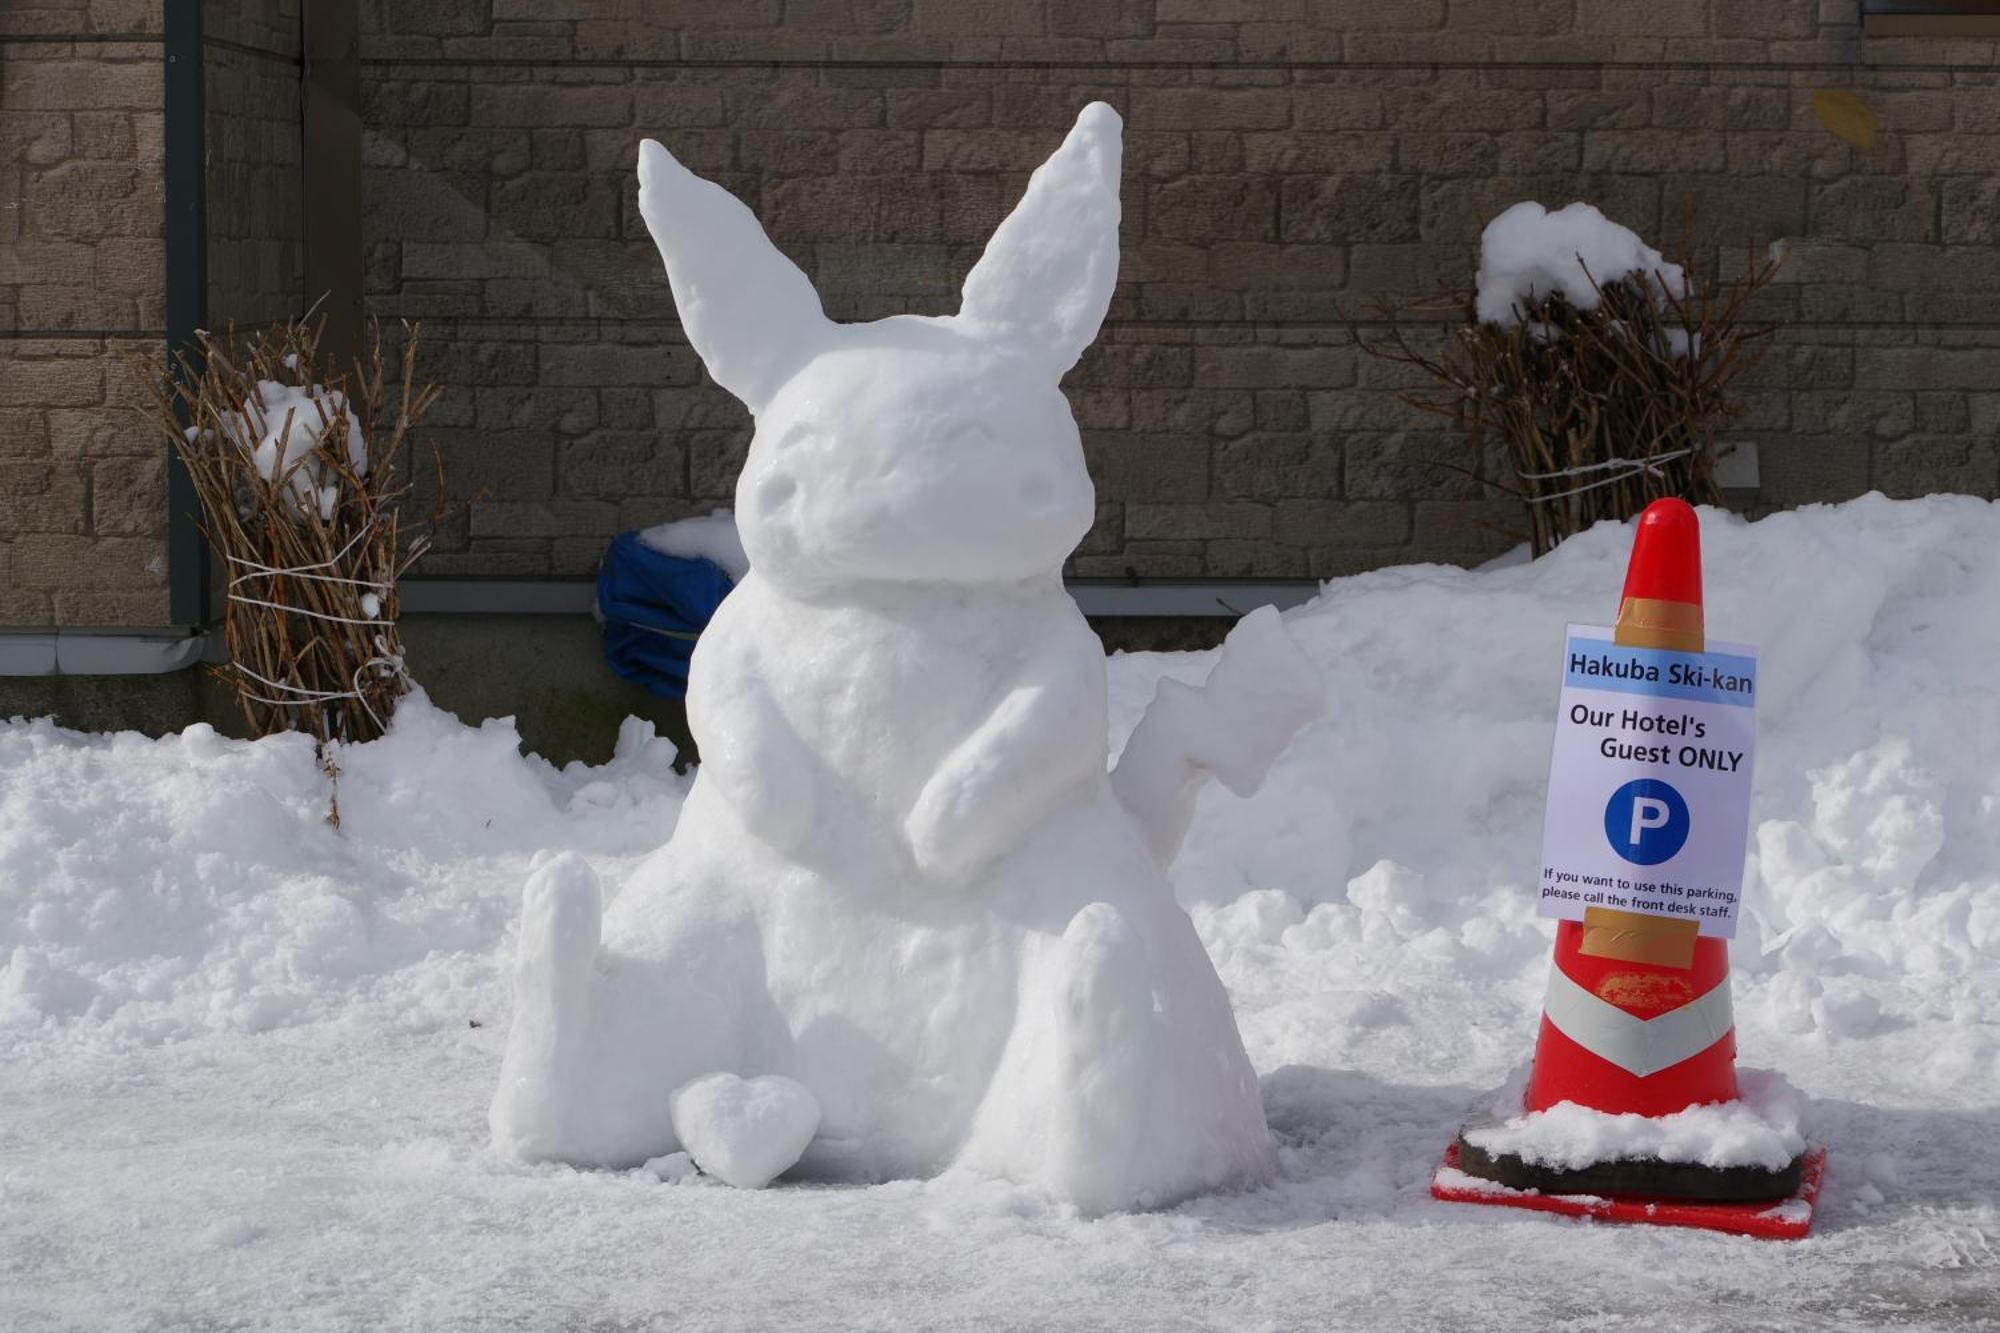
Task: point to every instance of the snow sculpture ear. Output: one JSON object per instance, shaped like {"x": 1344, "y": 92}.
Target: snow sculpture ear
{"x": 1045, "y": 280}
{"x": 753, "y": 318}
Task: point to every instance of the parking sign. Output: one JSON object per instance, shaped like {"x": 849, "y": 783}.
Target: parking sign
{"x": 1649, "y": 783}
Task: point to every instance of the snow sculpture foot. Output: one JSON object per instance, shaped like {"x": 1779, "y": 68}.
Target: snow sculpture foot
{"x": 1104, "y": 996}
{"x": 745, "y": 1132}
{"x": 1235, "y": 726}
{"x": 560, "y": 911}
{"x": 902, "y": 881}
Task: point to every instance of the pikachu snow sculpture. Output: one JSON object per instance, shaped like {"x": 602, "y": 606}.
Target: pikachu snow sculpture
{"x": 904, "y": 892}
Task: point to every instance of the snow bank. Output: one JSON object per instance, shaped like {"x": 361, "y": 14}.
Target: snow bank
{"x": 1370, "y": 910}
{"x": 1762, "y": 1130}
{"x": 711, "y": 537}
{"x": 1528, "y": 253}
{"x": 154, "y": 890}
{"x": 1382, "y": 880}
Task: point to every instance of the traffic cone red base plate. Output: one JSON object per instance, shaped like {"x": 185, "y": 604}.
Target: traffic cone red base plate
{"x": 1783, "y": 1219}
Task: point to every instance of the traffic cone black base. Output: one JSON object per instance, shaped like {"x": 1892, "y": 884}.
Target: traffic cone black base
{"x": 1637, "y": 1177}
{"x": 1785, "y": 1219}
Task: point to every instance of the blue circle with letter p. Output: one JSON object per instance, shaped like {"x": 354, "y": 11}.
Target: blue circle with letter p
{"x": 1646, "y": 821}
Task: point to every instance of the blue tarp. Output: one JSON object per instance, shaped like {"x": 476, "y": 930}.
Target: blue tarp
{"x": 654, "y": 605}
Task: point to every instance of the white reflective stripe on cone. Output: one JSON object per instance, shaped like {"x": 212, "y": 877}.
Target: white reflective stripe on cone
{"x": 1639, "y": 1046}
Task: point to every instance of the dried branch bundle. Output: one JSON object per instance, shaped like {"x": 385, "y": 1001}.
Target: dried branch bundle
{"x": 301, "y": 470}
{"x": 1599, "y": 412}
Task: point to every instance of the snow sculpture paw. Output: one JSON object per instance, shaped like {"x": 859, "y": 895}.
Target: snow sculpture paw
{"x": 966, "y": 814}
{"x": 1105, "y": 1005}
{"x": 1039, "y": 743}
{"x": 944, "y": 832}
{"x": 899, "y": 695}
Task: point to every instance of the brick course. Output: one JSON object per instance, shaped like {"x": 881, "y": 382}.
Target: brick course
{"x": 83, "y": 279}
{"x": 81, "y": 286}
{"x": 1289, "y": 163}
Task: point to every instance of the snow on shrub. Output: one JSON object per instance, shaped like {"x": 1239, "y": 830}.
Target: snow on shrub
{"x": 1601, "y": 370}
{"x": 1528, "y": 254}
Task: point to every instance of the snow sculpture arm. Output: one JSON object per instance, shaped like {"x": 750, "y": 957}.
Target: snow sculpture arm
{"x": 1031, "y": 751}
{"x": 1040, "y": 291}
{"x": 1235, "y": 726}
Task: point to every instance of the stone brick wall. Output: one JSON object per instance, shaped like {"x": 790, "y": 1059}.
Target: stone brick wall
{"x": 1289, "y": 162}
{"x": 83, "y": 279}
{"x": 82, "y": 295}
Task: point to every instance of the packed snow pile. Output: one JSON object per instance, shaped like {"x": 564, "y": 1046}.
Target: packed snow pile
{"x": 282, "y": 430}
{"x": 711, "y": 537}
{"x": 157, "y": 890}
{"x": 1761, "y": 1130}
{"x": 235, "y": 1047}
{"x": 904, "y": 886}
{"x": 1529, "y": 254}
{"x": 1872, "y": 899}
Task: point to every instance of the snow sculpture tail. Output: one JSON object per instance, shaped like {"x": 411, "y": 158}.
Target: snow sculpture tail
{"x": 1234, "y": 726}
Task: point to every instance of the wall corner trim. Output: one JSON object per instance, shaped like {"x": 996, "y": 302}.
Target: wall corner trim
{"x": 187, "y": 290}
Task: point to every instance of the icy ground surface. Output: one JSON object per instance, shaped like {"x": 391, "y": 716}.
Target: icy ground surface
{"x": 241, "y": 1083}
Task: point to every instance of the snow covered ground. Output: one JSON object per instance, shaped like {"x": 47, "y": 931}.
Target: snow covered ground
{"x": 245, "y": 1058}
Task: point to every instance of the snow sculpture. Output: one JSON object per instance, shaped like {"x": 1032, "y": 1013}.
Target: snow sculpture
{"x": 903, "y": 879}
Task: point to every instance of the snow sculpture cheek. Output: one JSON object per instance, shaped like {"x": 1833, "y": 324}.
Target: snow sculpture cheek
{"x": 907, "y": 920}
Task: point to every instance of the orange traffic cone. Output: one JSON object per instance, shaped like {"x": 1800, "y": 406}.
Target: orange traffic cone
{"x": 1637, "y": 1016}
